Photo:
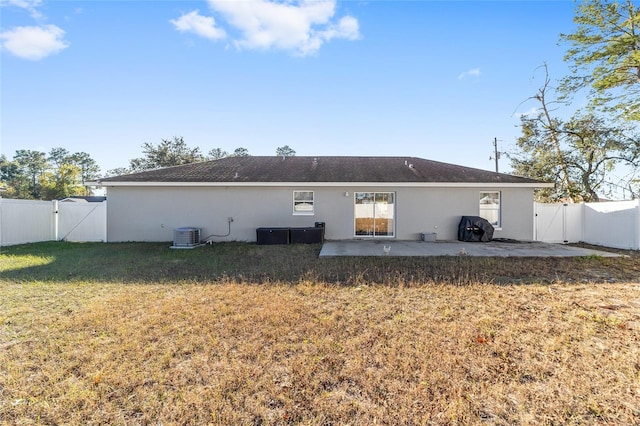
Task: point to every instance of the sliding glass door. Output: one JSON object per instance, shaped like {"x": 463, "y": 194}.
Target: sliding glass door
{"x": 375, "y": 214}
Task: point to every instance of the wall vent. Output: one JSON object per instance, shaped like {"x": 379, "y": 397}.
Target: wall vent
{"x": 187, "y": 237}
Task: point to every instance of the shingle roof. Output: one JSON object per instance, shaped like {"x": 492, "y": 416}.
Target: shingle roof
{"x": 320, "y": 169}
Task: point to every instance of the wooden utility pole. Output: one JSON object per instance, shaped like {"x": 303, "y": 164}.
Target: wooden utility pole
{"x": 496, "y": 154}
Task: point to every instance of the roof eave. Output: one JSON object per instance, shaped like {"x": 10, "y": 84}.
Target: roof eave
{"x": 328, "y": 184}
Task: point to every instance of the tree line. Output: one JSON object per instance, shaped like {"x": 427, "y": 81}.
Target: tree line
{"x": 175, "y": 152}
{"x": 35, "y": 175}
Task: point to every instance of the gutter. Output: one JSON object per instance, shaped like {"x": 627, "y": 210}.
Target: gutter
{"x": 322, "y": 184}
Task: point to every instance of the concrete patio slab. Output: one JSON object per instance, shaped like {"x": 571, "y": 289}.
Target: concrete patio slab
{"x": 455, "y": 248}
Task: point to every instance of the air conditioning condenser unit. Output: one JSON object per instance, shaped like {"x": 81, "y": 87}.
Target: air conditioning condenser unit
{"x": 186, "y": 237}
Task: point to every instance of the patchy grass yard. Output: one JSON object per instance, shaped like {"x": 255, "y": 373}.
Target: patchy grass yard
{"x": 259, "y": 335}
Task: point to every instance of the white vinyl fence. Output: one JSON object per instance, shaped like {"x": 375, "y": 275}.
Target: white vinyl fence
{"x": 611, "y": 224}
{"x": 29, "y": 221}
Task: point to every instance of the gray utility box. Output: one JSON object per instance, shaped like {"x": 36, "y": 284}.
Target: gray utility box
{"x": 428, "y": 236}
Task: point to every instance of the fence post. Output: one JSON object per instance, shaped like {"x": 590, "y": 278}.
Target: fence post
{"x": 1, "y": 222}
{"x": 104, "y": 230}
{"x": 564, "y": 222}
{"x": 583, "y": 219}
{"x": 535, "y": 221}
{"x": 55, "y": 220}
{"x": 637, "y": 225}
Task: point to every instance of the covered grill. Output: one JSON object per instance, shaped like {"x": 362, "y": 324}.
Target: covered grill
{"x": 475, "y": 228}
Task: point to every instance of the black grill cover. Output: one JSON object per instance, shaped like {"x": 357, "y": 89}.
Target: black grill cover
{"x": 475, "y": 228}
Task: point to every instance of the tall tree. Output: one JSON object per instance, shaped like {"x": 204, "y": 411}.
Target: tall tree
{"x": 118, "y": 171}
{"x": 69, "y": 173}
{"x": 58, "y": 157}
{"x": 604, "y": 56}
{"x": 577, "y": 154}
{"x": 217, "y": 153}
{"x": 89, "y": 169}
{"x": 241, "y": 152}
{"x": 11, "y": 179}
{"x": 64, "y": 182}
{"x": 582, "y": 168}
{"x": 32, "y": 165}
{"x": 167, "y": 153}
{"x": 35, "y": 175}
{"x": 285, "y": 151}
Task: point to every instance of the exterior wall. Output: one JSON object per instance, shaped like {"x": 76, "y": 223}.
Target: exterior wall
{"x": 152, "y": 213}
{"x": 439, "y": 210}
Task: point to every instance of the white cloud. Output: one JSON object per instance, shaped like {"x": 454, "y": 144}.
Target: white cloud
{"x": 298, "y": 26}
{"x": 29, "y": 5}
{"x": 347, "y": 28}
{"x": 474, "y": 72}
{"x": 203, "y": 26}
{"x": 33, "y": 43}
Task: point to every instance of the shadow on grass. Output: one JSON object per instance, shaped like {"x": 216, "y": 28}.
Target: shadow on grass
{"x": 250, "y": 263}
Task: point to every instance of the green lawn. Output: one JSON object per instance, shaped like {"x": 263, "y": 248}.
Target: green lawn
{"x": 250, "y": 263}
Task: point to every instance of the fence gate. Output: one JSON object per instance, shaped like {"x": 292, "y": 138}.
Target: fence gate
{"x": 31, "y": 221}
{"x": 610, "y": 224}
{"x": 558, "y": 223}
{"x": 82, "y": 221}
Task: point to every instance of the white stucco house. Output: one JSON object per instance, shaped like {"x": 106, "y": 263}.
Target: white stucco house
{"x": 356, "y": 198}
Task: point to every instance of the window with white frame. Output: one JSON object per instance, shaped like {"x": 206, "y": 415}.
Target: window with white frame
{"x": 490, "y": 207}
{"x": 303, "y": 202}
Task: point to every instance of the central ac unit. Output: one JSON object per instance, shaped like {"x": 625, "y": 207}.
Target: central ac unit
{"x": 187, "y": 237}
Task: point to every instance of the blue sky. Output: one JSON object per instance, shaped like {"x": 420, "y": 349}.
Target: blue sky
{"x": 438, "y": 80}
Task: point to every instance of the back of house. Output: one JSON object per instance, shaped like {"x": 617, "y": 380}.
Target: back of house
{"x": 353, "y": 197}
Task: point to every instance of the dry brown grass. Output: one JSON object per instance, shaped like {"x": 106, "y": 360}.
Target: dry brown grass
{"x": 319, "y": 354}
